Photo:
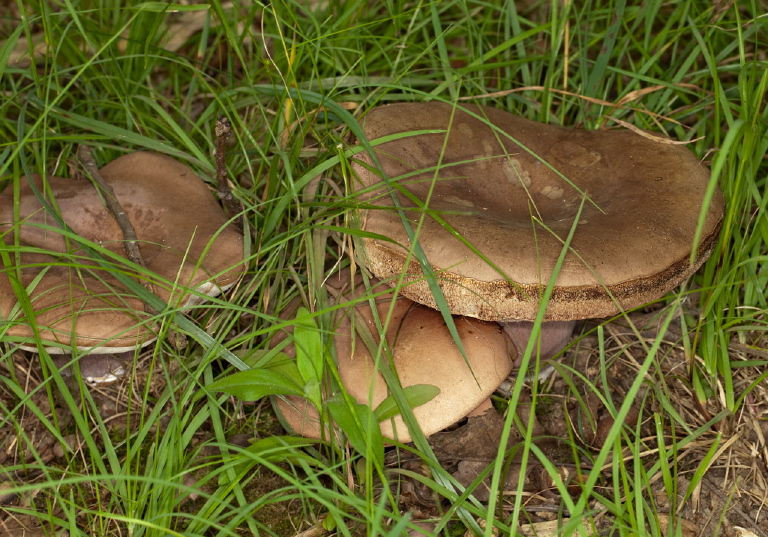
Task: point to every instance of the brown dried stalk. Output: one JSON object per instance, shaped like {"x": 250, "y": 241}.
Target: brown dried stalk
{"x": 231, "y": 205}
{"x": 131, "y": 242}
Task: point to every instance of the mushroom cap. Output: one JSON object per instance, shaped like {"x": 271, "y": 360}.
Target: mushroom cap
{"x": 183, "y": 237}
{"x": 423, "y": 353}
{"x": 68, "y": 300}
{"x": 632, "y": 243}
{"x": 299, "y": 416}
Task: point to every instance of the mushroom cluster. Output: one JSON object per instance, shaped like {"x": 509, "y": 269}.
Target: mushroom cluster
{"x": 185, "y": 241}
{"x": 495, "y": 196}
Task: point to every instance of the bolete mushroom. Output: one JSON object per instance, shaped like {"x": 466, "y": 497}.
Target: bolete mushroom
{"x": 423, "y": 352}
{"x": 498, "y": 204}
{"x": 185, "y": 241}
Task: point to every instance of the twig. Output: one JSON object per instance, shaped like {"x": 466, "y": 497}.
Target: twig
{"x": 231, "y": 205}
{"x": 131, "y": 242}
{"x": 733, "y": 509}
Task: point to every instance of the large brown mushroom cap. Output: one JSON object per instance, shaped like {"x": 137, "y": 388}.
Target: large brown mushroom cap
{"x": 183, "y": 237}
{"x": 84, "y": 301}
{"x": 423, "y": 352}
{"x": 634, "y": 237}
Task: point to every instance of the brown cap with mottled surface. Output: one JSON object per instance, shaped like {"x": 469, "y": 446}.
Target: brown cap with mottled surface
{"x": 183, "y": 236}
{"x": 639, "y": 198}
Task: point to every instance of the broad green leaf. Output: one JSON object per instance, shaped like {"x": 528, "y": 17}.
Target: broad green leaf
{"x": 360, "y": 425}
{"x": 252, "y": 357}
{"x": 309, "y": 346}
{"x": 279, "y": 448}
{"x": 280, "y": 363}
{"x": 313, "y": 393}
{"x": 254, "y": 384}
{"x": 329, "y": 523}
{"x": 285, "y": 365}
{"x": 416, "y": 395}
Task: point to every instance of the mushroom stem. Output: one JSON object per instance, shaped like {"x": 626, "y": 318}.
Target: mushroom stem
{"x": 554, "y": 336}
{"x": 96, "y": 369}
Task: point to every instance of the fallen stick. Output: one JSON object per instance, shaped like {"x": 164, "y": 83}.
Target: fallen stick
{"x": 231, "y": 205}
{"x": 131, "y": 242}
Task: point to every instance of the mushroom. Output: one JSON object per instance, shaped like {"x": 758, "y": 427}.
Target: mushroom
{"x": 513, "y": 193}
{"x": 184, "y": 239}
{"x": 423, "y": 352}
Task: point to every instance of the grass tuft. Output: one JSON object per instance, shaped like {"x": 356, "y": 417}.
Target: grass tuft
{"x": 157, "y": 456}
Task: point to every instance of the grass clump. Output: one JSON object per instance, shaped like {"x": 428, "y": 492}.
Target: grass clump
{"x": 293, "y": 77}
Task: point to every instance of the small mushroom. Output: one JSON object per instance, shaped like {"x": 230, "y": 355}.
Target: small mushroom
{"x": 423, "y": 352}
{"x": 513, "y": 195}
{"x": 184, "y": 238}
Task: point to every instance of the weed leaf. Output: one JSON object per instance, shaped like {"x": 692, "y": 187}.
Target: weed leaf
{"x": 360, "y": 425}
{"x": 416, "y": 395}
{"x": 309, "y": 345}
{"x": 254, "y": 384}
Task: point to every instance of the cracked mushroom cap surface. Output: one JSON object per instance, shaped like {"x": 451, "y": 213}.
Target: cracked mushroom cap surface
{"x": 515, "y": 201}
{"x": 183, "y": 237}
{"x": 423, "y": 353}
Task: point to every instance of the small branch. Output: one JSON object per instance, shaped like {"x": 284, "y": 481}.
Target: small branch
{"x": 231, "y": 205}
{"x": 131, "y": 241}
